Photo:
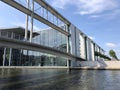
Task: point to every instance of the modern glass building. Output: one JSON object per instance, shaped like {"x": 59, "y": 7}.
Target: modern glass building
{"x": 62, "y": 44}
{"x": 22, "y": 57}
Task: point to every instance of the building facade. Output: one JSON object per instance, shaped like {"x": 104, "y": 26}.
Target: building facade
{"x": 80, "y": 46}
{"x": 64, "y": 44}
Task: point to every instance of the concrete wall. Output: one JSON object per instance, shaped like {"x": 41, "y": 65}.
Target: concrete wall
{"x": 73, "y": 44}
{"x": 72, "y": 39}
{"x": 100, "y": 64}
{"x": 82, "y": 47}
{"x": 92, "y": 51}
{"x": 89, "y": 50}
{"x": 78, "y": 42}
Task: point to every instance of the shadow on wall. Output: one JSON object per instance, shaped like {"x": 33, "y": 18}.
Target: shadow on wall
{"x": 99, "y": 63}
{"x": 102, "y": 63}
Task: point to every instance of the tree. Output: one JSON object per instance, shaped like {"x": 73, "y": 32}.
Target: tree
{"x": 113, "y": 54}
{"x": 102, "y": 55}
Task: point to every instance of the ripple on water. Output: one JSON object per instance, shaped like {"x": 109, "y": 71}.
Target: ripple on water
{"x": 59, "y": 79}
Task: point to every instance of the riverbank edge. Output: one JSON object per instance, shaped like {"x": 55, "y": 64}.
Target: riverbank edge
{"x": 59, "y": 67}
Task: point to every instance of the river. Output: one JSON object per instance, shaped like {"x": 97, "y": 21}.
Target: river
{"x": 59, "y": 79}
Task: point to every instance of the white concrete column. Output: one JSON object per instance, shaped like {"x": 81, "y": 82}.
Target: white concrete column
{"x": 89, "y": 50}
{"x": 27, "y": 19}
{"x": 82, "y": 46}
{"x": 87, "y": 47}
{"x": 31, "y": 31}
{"x": 10, "y": 56}
{"x": 68, "y": 47}
{"x": 93, "y": 51}
{"x": 4, "y": 56}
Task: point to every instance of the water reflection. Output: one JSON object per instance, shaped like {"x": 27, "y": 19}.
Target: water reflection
{"x": 48, "y": 79}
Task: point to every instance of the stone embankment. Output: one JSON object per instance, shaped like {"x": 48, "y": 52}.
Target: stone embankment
{"x": 100, "y": 64}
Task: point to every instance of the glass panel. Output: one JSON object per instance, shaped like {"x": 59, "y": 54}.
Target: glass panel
{"x": 30, "y": 58}
{"x": 3, "y": 34}
{"x": 15, "y": 57}
{"x": 1, "y": 55}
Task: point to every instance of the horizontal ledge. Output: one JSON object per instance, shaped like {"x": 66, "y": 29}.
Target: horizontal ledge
{"x": 13, "y": 43}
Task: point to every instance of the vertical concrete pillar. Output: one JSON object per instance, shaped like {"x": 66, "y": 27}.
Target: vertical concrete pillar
{"x": 89, "y": 53}
{"x": 68, "y": 46}
{"x": 82, "y": 46}
{"x": 4, "y": 56}
{"x": 31, "y": 31}
{"x": 75, "y": 42}
{"x": 93, "y": 51}
{"x": 10, "y": 55}
{"x": 86, "y": 50}
{"x": 27, "y": 18}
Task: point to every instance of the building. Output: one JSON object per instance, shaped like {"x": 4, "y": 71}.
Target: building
{"x": 80, "y": 47}
{"x": 59, "y": 45}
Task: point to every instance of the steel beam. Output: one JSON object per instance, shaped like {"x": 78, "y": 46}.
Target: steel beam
{"x": 52, "y": 10}
{"x": 36, "y": 16}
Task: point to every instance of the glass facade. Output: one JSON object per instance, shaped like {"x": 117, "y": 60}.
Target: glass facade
{"x": 20, "y": 57}
{"x": 51, "y": 38}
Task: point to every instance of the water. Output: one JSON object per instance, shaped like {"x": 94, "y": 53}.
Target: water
{"x": 56, "y": 79}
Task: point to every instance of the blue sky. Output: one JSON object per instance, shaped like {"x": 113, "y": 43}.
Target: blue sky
{"x": 99, "y": 19}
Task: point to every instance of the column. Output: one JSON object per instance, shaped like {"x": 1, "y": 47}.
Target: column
{"x": 68, "y": 46}
{"x": 4, "y": 56}
{"x": 82, "y": 46}
{"x": 31, "y": 31}
{"x": 94, "y": 51}
{"x": 10, "y": 56}
{"x": 86, "y": 50}
{"x": 27, "y": 18}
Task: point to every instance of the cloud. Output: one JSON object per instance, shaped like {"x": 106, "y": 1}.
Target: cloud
{"x": 109, "y": 15}
{"x": 111, "y": 45}
{"x": 92, "y": 38}
{"x": 95, "y": 16}
{"x": 87, "y": 7}
{"x": 60, "y": 3}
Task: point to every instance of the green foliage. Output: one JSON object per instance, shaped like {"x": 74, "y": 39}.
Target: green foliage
{"x": 102, "y": 55}
{"x": 113, "y": 54}
{"x": 97, "y": 53}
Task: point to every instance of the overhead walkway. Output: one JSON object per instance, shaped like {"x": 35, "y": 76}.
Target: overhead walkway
{"x": 29, "y": 12}
{"x": 13, "y": 43}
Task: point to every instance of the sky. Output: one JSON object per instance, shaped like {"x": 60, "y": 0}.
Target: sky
{"x": 99, "y": 19}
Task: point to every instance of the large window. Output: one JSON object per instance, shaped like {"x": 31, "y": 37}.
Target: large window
{"x": 52, "y": 38}
{"x": 20, "y": 57}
